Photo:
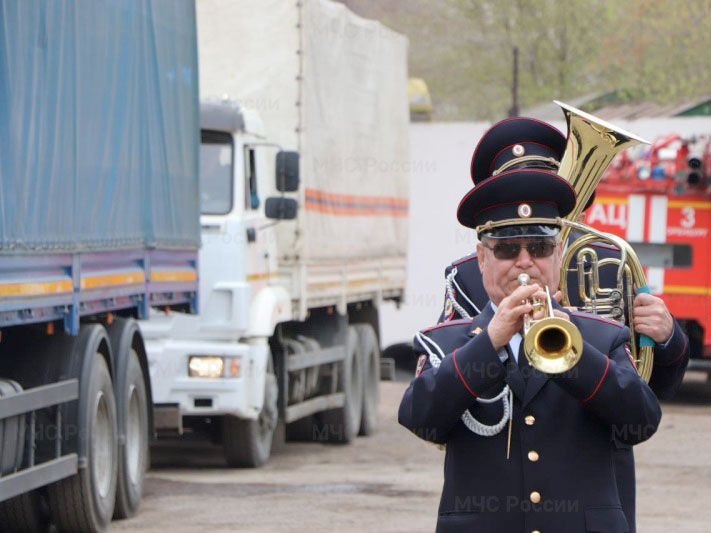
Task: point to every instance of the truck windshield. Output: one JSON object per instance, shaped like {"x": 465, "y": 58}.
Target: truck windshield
{"x": 216, "y": 160}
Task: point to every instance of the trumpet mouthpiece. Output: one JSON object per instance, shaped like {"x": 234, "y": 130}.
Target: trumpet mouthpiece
{"x": 524, "y": 278}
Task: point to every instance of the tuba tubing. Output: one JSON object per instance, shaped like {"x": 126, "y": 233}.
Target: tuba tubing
{"x": 644, "y": 353}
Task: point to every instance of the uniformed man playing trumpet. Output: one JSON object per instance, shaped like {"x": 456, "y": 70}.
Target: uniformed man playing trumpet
{"x": 538, "y": 144}
{"x": 525, "y": 450}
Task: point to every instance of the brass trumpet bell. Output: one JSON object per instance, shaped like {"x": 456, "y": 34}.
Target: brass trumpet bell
{"x": 552, "y": 345}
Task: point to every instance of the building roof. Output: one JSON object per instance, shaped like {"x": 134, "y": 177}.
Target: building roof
{"x": 613, "y": 106}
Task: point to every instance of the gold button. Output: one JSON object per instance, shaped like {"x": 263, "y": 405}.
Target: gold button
{"x": 535, "y": 497}
{"x": 535, "y": 531}
{"x": 530, "y": 419}
{"x": 533, "y": 456}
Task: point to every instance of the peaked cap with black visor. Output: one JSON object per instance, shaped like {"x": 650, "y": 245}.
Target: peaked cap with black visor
{"x": 517, "y": 191}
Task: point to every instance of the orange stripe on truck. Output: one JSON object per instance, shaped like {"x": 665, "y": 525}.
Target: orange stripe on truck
{"x": 36, "y": 288}
{"x": 110, "y": 280}
{"x": 355, "y": 205}
{"x": 685, "y": 289}
{"x": 173, "y": 275}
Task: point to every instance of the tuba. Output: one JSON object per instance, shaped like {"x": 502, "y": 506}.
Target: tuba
{"x": 592, "y": 144}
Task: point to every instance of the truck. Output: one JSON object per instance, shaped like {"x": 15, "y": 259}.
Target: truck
{"x": 99, "y": 221}
{"x": 304, "y": 202}
{"x": 659, "y": 200}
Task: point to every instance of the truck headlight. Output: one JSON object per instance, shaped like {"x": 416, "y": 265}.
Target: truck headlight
{"x": 203, "y": 366}
{"x": 213, "y": 366}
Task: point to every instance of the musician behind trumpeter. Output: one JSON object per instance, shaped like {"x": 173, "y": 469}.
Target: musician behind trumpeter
{"x": 549, "y": 465}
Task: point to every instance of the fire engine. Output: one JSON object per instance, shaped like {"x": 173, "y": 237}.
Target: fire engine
{"x": 658, "y": 198}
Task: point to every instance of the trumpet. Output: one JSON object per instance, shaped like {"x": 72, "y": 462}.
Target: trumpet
{"x": 552, "y": 345}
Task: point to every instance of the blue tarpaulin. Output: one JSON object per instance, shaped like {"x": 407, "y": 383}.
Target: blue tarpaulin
{"x": 99, "y": 125}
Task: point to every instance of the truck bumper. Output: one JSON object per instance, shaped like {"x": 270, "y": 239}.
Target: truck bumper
{"x": 171, "y": 383}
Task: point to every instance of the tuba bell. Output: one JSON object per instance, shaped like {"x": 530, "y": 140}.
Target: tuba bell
{"x": 592, "y": 144}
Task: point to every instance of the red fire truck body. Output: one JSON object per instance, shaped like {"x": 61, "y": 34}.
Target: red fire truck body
{"x": 663, "y": 210}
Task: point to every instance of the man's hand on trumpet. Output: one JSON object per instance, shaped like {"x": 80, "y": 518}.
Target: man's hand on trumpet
{"x": 508, "y": 318}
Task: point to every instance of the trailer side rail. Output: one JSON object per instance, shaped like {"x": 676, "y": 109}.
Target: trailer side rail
{"x": 43, "y": 288}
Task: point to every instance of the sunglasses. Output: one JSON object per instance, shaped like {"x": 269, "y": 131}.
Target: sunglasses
{"x": 510, "y": 250}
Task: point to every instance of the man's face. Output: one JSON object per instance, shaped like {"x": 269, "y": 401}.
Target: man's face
{"x": 500, "y": 276}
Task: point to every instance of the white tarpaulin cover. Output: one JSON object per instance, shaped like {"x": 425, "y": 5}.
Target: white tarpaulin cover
{"x": 334, "y": 87}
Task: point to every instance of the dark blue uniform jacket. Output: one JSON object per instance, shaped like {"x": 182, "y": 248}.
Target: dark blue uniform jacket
{"x": 561, "y": 445}
{"x": 670, "y": 361}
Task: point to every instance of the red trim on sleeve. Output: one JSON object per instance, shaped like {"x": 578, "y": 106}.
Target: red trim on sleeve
{"x": 599, "y": 383}
{"x": 456, "y": 367}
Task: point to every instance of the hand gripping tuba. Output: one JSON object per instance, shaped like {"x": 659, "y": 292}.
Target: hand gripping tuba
{"x": 592, "y": 144}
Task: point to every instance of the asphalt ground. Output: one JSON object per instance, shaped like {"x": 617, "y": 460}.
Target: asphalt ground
{"x": 391, "y": 481}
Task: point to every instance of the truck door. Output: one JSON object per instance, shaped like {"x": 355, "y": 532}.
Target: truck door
{"x": 222, "y": 256}
{"x": 257, "y": 248}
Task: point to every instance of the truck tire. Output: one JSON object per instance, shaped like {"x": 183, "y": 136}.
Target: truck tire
{"x": 248, "y": 443}
{"x": 133, "y": 456}
{"x": 341, "y": 425}
{"x": 85, "y": 501}
{"x": 370, "y": 357}
{"x": 26, "y": 513}
{"x": 133, "y": 410}
{"x": 12, "y": 433}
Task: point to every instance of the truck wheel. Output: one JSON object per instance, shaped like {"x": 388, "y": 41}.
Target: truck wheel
{"x": 370, "y": 357}
{"x": 133, "y": 455}
{"x": 248, "y": 443}
{"x": 341, "y": 425}
{"x": 24, "y": 513}
{"x": 12, "y": 432}
{"x": 85, "y": 501}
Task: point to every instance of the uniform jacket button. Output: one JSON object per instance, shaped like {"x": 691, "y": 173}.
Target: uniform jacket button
{"x": 535, "y": 496}
{"x": 530, "y": 419}
{"x": 533, "y": 456}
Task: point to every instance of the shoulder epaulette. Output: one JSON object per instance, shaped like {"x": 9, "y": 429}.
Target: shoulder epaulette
{"x": 591, "y": 316}
{"x": 464, "y": 259}
{"x": 458, "y": 322}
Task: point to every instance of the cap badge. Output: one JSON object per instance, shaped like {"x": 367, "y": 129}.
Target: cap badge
{"x": 518, "y": 150}
{"x": 524, "y": 210}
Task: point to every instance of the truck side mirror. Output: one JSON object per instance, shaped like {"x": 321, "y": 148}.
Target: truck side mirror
{"x": 287, "y": 171}
{"x": 280, "y": 208}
